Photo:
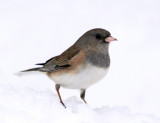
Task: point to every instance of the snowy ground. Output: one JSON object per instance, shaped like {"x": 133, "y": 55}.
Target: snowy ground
{"x": 33, "y": 31}
{"x": 28, "y": 105}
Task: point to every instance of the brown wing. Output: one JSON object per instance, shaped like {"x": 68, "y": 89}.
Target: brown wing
{"x": 69, "y": 58}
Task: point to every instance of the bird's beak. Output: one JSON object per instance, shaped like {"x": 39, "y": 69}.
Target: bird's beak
{"x": 110, "y": 39}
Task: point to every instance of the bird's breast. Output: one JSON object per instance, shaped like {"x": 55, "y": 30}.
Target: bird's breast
{"x": 79, "y": 78}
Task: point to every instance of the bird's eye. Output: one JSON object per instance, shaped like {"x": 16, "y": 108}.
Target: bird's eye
{"x": 98, "y": 36}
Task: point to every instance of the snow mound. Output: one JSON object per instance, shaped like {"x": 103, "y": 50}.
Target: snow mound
{"x": 26, "y": 105}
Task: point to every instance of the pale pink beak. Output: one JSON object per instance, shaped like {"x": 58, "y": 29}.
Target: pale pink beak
{"x": 110, "y": 39}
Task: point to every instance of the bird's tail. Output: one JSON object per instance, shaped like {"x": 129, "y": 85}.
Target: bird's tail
{"x": 28, "y": 71}
{"x": 32, "y": 69}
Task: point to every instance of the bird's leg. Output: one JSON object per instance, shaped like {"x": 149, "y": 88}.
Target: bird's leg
{"x": 82, "y": 95}
{"x": 57, "y": 89}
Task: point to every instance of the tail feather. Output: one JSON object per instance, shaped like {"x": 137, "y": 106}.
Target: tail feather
{"x": 32, "y": 69}
{"x": 40, "y": 64}
{"x": 26, "y": 72}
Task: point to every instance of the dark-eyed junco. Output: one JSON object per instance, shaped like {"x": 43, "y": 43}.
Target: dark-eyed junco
{"x": 82, "y": 65}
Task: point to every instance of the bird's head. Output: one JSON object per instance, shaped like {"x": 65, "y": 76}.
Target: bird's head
{"x": 95, "y": 37}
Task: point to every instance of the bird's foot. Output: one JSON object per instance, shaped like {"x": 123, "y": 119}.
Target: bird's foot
{"x": 63, "y": 104}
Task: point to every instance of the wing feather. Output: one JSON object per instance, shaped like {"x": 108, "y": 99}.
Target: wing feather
{"x": 65, "y": 60}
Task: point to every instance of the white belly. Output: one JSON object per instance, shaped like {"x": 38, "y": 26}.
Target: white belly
{"x": 81, "y": 79}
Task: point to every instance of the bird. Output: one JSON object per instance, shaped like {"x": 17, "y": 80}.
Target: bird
{"x": 83, "y": 64}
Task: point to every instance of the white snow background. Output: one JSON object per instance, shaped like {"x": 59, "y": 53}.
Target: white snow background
{"x": 32, "y": 31}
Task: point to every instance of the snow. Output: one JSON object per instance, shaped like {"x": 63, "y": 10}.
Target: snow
{"x": 28, "y": 105}
{"x": 33, "y": 31}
